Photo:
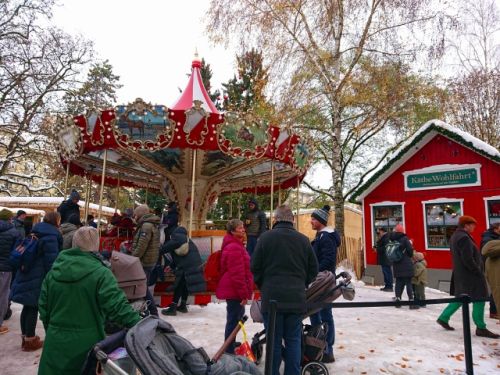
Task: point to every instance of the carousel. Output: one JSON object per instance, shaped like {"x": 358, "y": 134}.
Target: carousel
{"x": 190, "y": 152}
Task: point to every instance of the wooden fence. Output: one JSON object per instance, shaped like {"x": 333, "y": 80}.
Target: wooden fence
{"x": 350, "y": 255}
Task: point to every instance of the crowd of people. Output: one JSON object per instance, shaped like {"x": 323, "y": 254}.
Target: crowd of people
{"x": 73, "y": 291}
{"x": 469, "y": 276}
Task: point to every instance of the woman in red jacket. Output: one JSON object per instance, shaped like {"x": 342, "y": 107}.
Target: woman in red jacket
{"x": 236, "y": 283}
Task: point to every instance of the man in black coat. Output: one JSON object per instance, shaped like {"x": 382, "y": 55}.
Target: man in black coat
{"x": 69, "y": 207}
{"x": 255, "y": 224}
{"x": 283, "y": 265}
{"x": 403, "y": 269}
{"x": 467, "y": 277}
{"x": 383, "y": 238}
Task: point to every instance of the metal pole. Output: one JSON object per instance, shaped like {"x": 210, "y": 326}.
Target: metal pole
{"x": 270, "y": 332}
{"x": 469, "y": 366}
{"x": 272, "y": 195}
{"x": 191, "y": 203}
{"x": 133, "y": 198}
{"x": 87, "y": 193}
{"x": 103, "y": 176}
{"x": 117, "y": 193}
{"x": 67, "y": 178}
{"x": 147, "y": 188}
{"x": 279, "y": 193}
{"x": 231, "y": 204}
{"x": 298, "y": 202}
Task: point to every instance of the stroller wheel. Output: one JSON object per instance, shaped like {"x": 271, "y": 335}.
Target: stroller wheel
{"x": 314, "y": 368}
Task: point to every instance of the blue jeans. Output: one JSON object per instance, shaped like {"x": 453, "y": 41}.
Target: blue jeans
{"x": 153, "y": 310}
{"x": 251, "y": 242}
{"x": 387, "y": 271}
{"x": 288, "y": 329}
{"x": 326, "y": 316}
{"x": 234, "y": 312}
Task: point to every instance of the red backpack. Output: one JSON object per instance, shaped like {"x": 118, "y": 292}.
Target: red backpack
{"x": 212, "y": 270}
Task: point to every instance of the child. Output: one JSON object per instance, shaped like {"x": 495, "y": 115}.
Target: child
{"x": 419, "y": 280}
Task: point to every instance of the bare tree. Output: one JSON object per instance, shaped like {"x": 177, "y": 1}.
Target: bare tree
{"x": 38, "y": 64}
{"x": 474, "y": 92}
{"x": 316, "y": 50}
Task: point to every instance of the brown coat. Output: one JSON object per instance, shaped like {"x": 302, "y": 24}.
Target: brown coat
{"x": 146, "y": 245}
{"x": 492, "y": 253}
{"x": 467, "y": 277}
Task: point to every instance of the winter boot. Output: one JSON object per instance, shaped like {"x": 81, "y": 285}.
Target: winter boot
{"x": 32, "y": 343}
{"x": 397, "y": 300}
{"x": 171, "y": 310}
{"x": 182, "y": 308}
{"x": 414, "y": 307}
{"x": 483, "y": 332}
{"x": 445, "y": 325}
{"x": 23, "y": 342}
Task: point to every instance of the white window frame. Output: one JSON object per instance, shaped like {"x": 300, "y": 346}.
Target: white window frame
{"x": 384, "y": 203}
{"x": 486, "y": 199}
{"x": 439, "y": 201}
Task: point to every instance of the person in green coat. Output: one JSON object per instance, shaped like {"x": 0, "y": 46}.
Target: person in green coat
{"x": 78, "y": 295}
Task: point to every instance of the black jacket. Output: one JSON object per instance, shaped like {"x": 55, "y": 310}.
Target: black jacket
{"x": 67, "y": 208}
{"x": 325, "y": 246}
{"x": 468, "y": 271}
{"x": 403, "y": 268}
{"x": 26, "y": 286}
{"x": 488, "y": 236}
{"x": 189, "y": 265}
{"x": 283, "y": 265}
{"x": 8, "y": 237}
{"x": 380, "y": 247}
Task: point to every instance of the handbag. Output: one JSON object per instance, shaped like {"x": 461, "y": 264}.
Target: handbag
{"x": 256, "y": 311}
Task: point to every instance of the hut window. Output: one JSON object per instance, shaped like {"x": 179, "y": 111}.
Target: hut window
{"x": 441, "y": 220}
{"x": 386, "y": 216}
{"x": 492, "y": 210}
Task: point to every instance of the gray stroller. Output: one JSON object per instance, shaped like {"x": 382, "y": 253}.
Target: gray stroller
{"x": 153, "y": 347}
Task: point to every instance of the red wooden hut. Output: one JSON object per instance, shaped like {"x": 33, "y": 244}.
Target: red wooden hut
{"x": 436, "y": 176}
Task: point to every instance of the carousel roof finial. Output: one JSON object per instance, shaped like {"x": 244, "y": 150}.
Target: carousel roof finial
{"x": 195, "y": 90}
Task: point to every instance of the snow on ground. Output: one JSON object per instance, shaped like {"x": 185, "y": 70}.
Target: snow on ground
{"x": 380, "y": 340}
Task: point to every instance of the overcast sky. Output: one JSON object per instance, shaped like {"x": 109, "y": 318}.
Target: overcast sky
{"x": 149, "y": 43}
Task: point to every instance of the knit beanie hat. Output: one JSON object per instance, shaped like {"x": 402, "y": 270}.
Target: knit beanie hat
{"x": 6, "y": 214}
{"x": 74, "y": 195}
{"x": 399, "y": 228}
{"x": 419, "y": 256}
{"x": 21, "y": 212}
{"x": 322, "y": 214}
{"x": 74, "y": 219}
{"x": 141, "y": 210}
{"x": 462, "y": 220}
{"x": 86, "y": 238}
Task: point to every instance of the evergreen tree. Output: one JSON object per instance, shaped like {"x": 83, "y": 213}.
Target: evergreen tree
{"x": 206, "y": 76}
{"x": 98, "y": 91}
{"x": 246, "y": 91}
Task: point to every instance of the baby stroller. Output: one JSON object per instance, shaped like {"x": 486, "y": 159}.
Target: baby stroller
{"x": 324, "y": 289}
{"x": 153, "y": 347}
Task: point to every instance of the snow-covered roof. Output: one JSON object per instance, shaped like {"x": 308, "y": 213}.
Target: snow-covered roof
{"x": 29, "y": 211}
{"x": 26, "y": 201}
{"x": 408, "y": 148}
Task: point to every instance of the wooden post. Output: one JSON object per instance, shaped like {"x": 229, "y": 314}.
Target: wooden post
{"x": 87, "y": 201}
{"x": 191, "y": 203}
{"x": 103, "y": 177}
{"x": 231, "y": 204}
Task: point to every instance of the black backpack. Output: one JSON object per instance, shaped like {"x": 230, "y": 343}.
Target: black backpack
{"x": 393, "y": 251}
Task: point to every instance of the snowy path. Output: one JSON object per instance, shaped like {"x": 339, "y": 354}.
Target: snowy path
{"x": 381, "y": 340}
